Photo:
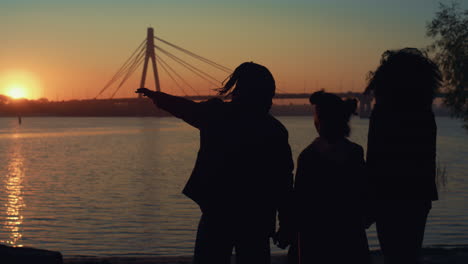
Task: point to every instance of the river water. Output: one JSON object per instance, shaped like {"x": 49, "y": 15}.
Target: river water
{"x": 112, "y": 186}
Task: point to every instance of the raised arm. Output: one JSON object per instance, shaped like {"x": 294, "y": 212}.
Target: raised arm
{"x": 195, "y": 114}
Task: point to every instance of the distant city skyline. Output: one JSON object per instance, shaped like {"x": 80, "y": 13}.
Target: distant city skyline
{"x": 69, "y": 50}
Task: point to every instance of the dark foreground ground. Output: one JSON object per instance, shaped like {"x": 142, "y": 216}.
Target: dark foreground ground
{"x": 457, "y": 255}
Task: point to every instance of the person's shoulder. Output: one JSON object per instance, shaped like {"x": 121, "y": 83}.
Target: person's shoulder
{"x": 313, "y": 147}
{"x": 309, "y": 154}
{"x": 316, "y": 142}
{"x": 212, "y": 108}
{"x": 354, "y": 147}
{"x": 276, "y": 126}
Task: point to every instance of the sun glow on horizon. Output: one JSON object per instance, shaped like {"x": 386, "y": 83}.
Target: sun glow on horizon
{"x": 20, "y": 84}
{"x": 16, "y": 91}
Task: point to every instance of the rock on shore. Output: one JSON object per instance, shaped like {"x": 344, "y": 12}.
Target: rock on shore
{"x": 25, "y": 255}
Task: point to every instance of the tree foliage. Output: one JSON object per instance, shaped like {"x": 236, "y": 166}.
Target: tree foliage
{"x": 449, "y": 30}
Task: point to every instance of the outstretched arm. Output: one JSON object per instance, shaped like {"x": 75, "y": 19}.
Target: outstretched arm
{"x": 191, "y": 112}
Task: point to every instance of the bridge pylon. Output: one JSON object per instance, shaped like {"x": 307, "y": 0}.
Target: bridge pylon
{"x": 150, "y": 55}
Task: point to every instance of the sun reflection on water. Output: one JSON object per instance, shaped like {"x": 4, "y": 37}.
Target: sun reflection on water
{"x": 14, "y": 205}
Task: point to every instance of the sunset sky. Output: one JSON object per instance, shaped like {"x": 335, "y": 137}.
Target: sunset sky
{"x": 70, "y": 49}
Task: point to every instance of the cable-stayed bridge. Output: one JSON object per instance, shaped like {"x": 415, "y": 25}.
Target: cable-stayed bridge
{"x": 158, "y": 51}
{"x": 146, "y": 52}
{"x": 163, "y": 59}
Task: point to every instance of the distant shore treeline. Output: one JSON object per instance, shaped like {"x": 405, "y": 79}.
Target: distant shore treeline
{"x": 121, "y": 107}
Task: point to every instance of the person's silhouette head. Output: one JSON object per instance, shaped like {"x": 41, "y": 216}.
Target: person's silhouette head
{"x": 404, "y": 78}
{"x": 332, "y": 114}
{"x": 252, "y": 85}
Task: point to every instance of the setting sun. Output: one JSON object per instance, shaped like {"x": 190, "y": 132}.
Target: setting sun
{"x": 20, "y": 84}
{"x": 16, "y": 91}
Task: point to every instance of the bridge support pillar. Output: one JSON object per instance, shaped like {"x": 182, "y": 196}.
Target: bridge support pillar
{"x": 150, "y": 55}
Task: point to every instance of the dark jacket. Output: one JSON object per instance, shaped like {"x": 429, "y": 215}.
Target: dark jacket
{"x": 401, "y": 154}
{"x": 244, "y": 165}
{"x": 330, "y": 184}
{"x": 329, "y": 198}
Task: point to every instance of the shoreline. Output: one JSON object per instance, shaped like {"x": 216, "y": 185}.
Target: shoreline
{"x": 431, "y": 255}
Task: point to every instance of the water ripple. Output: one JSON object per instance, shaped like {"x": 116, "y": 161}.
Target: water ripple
{"x": 112, "y": 186}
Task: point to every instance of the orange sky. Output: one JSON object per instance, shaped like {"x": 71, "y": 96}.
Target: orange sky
{"x": 70, "y": 50}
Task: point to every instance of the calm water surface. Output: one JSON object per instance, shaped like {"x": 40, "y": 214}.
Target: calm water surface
{"x": 111, "y": 186}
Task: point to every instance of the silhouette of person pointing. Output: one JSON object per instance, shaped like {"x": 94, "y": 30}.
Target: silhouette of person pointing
{"x": 243, "y": 173}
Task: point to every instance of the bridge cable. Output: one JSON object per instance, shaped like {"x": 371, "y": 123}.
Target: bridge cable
{"x": 135, "y": 60}
{"x": 132, "y": 69}
{"x": 178, "y": 75}
{"x": 128, "y": 63}
{"x": 163, "y": 65}
{"x": 130, "y": 72}
{"x": 121, "y": 72}
{"x": 190, "y": 67}
{"x": 124, "y": 67}
{"x": 210, "y": 62}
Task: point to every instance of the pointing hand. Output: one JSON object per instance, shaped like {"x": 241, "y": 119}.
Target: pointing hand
{"x": 146, "y": 92}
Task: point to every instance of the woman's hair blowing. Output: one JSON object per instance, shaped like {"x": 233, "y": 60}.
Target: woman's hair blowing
{"x": 252, "y": 83}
